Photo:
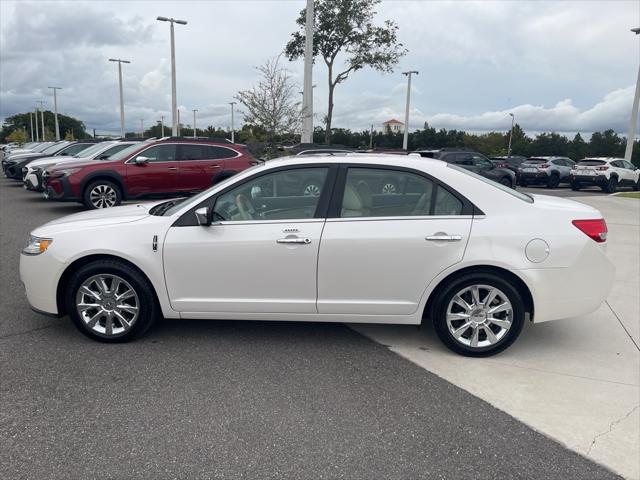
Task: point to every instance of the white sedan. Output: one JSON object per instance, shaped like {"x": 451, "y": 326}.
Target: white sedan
{"x": 475, "y": 258}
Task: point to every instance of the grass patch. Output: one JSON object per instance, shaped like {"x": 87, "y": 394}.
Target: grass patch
{"x": 629, "y": 195}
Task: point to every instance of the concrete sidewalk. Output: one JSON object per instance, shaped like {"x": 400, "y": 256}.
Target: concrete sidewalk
{"x": 576, "y": 380}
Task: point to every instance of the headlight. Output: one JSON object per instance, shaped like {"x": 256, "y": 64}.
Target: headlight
{"x": 36, "y": 245}
{"x": 64, "y": 173}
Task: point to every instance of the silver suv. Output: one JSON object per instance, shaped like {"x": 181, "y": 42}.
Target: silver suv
{"x": 549, "y": 171}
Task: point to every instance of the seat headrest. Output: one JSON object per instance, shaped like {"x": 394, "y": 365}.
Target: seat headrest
{"x": 351, "y": 200}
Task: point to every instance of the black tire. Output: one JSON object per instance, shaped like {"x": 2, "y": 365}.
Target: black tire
{"x": 636, "y": 186}
{"x": 553, "y": 181}
{"x": 446, "y": 294}
{"x": 523, "y": 182}
{"x": 148, "y": 308}
{"x": 575, "y": 186}
{"x": 112, "y": 198}
{"x": 506, "y": 181}
{"x": 611, "y": 186}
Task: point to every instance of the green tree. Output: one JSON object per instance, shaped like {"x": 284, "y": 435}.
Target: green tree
{"x": 22, "y": 120}
{"x": 578, "y": 148}
{"x": 18, "y": 136}
{"x": 606, "y": 144}
{"x": 550, "y": 144}
{"x": 346, "y": 26}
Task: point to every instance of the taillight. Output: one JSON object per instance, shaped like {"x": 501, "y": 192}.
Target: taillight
{"x": 606, "y": 167}
{"x": 543, "y": 165}
{"x": 594, "y": 229}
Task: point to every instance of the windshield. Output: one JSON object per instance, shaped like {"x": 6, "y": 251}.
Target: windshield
{"x": 41, "y": 147}
{"x": 73, "y": 149}
{"x": 197, "y": 198}
{"x": 54, "y": 148}
{"x": 519, "y": 195}
{"x": 89, "y": 152}
{"x": 125, "y": 152}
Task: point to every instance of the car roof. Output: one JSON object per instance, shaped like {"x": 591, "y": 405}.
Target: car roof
{"x": 603, "y": 159}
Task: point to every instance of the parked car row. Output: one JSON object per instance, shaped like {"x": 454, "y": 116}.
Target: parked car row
{"x": 102, "y": 175}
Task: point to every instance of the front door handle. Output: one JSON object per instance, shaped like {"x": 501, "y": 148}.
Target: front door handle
{"x": 444, "y": 238}
{"x": 304, "y": 241}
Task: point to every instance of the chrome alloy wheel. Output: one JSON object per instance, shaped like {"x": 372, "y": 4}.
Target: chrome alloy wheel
{"x": 479, "y": 316}
{"x": 107, "y": 304}
{"x": 312, "y": 190}
{"x": 103, "y": 196}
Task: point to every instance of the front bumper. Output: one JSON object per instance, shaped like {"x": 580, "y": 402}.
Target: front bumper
{"x": 58, "y": 189}
{"x": 39, "y": 275}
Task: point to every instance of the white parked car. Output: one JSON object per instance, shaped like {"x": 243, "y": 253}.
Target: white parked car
{"x": 608, "y": 173}
{"x": 472, "y": 256}
{"x": 32, "y": 172}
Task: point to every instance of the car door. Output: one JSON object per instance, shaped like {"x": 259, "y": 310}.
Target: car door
{"x": 157, "y": 174}
{"x": 633, "y": 171}
{"x": 379, "y": 252}
{"x": 626, "y": 174}
{"x": 261, "y": 253}
{"x": 484, "y": 167}
{"x": 200, "y": 164}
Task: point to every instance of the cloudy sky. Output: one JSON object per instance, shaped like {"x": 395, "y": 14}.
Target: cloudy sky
{"x": 564, "y": 66}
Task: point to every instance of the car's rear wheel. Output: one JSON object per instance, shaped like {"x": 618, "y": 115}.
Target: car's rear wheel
{"x": 611, "y": 186}
{"x": 478, "y": 314}
{"x": 553, "y": 181}
{"x": 102, "y": 194}
{"x": 523, "y": 182}
{"x": 636, "y": 185}
{"x": 575, "y": 186}
{"x": 110, "y": 301}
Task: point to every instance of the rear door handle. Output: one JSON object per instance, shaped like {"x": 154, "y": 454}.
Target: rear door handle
{"x": 304, "y": 241}
{"x": 444, "y": 238}
{"x": 172, "y": 168}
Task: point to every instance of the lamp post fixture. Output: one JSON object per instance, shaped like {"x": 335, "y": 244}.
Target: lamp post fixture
{"x": 633, "y": 123}
{"x": 31, "y": 122}
{"x": 162, "y": 125}
{"x": 142, "y": 127}
{"x": 120, "y": 62}
{"x": 307, "y": 101}
{"x": 513, "y": 119}
{"x": 174, "y": 102}
{"x": 194, "y": 122}
{"x": 233, "y": 135}
{"x": 37, "y": 133}
{"x": 405, "y": 140}
{"x": 41, "y": 118}
{"x": 55, "y": 111}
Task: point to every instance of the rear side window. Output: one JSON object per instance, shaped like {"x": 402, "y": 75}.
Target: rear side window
{"x": 220, "y": 152}
{"x": 586, "y": 163}
{"x": 192, "y": 152}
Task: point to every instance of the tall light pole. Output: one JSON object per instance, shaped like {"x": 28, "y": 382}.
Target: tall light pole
{"x": 405, "y": 140}
{"x": 31, "y": 122}
{"x": 120, "y": 62}
{"x": 55, "y": 111}
{"x": 633, "y": 123}
{"x": 37, "y": 133}
{"x": 513, "y": 119}
{"x": 307, "y": 103}
{"x": 371, "y": 137}
{"x": 142, "y": 127}
{"x": 233, "y": 135}
{"x": 178, "y": 127}
{"x": 174, "y": 101}
{"x": 162, "y": 124}
{"x": 41, "y": 118}
{"x": 194, "y": 122}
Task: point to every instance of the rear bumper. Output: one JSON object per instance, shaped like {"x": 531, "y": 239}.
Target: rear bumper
{"x": 540, "y": 177}
{"x": 589, "y": 179}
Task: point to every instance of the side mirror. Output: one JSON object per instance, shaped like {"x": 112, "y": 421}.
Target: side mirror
{"x": 141, "y": 160}
{"x": 104, "y": 157}
{"x": 202, "y": 216}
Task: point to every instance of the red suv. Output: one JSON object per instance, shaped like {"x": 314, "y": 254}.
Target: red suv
{"x": 155, "y": 169}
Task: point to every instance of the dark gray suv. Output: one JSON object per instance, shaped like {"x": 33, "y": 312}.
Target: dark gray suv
{"x": 474, "y": 162}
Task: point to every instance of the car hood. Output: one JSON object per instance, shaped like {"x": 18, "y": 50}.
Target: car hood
{"x": 96, "y": 218}
{"x": 80, "y": 163}
{"x": 22, "y": 156}
{"x": 51, "y": 161}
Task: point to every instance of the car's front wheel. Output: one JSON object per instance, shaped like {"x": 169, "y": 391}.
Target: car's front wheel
{"x": 110, "y": 301}
{"x": 478, "y": 314}
{"x": 102, "y": 194}
{"x": 506, "y": 181}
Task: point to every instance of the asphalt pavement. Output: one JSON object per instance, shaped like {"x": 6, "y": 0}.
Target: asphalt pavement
{"x": 212, "y": 399}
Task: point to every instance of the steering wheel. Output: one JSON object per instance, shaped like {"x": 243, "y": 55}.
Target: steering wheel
{"x": 245, "y": 207}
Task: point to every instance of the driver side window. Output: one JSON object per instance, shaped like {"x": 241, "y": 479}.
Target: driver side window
{"x": 284, "y": 195}
{"x": 159, "y": 153}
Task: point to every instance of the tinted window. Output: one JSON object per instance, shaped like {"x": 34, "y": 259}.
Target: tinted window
{"x": 220, "y": 152}
{"x": 192, "y": 152}
{"x": 364, "y": 195}
{"x": 447, "y": 203}
{"x": 591, "y": 162}
{"x": 159, "y": 153}
{"x": 536, "y": 161}
{"x": 274, "y": 196}
{"x": 617, "y": 163}
{"x": 481, "y": 161}
{"x": 628, "y": 165}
